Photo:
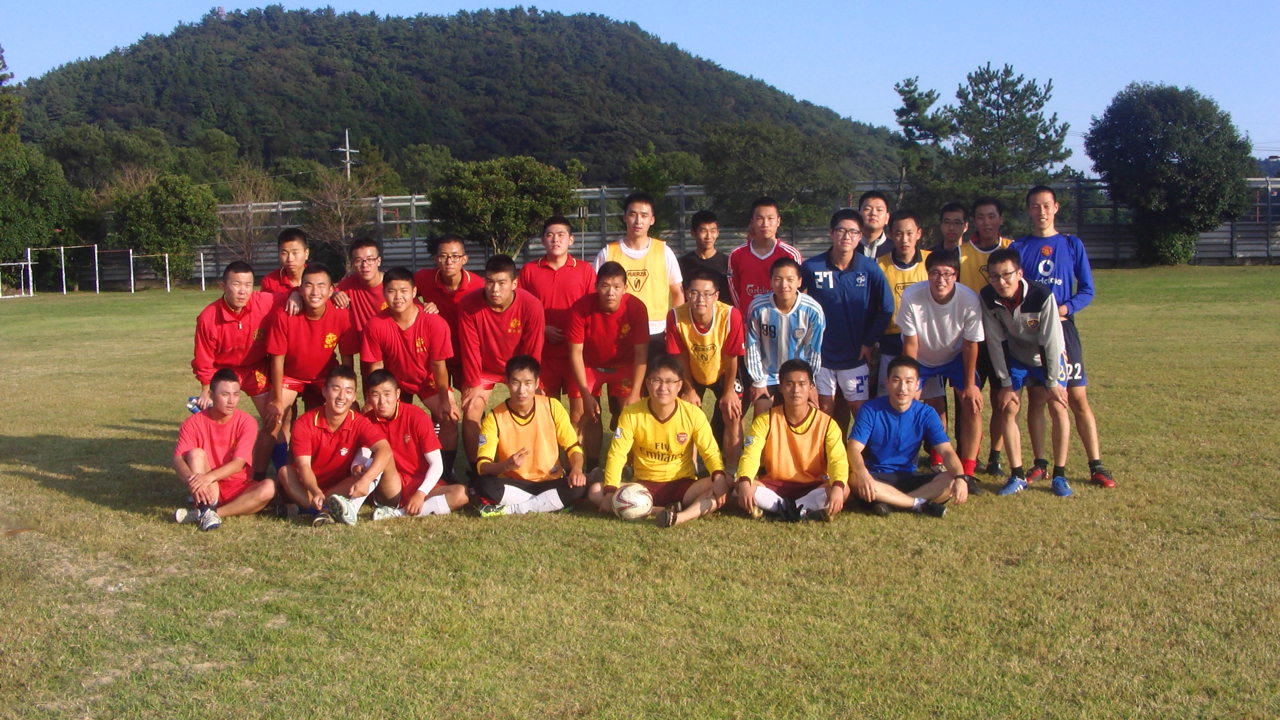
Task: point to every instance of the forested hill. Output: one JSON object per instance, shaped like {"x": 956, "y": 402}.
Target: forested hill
{"x": 506, "y": 82}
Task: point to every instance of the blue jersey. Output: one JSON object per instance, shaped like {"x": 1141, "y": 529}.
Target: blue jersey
{"x": 774, "y": 337}
{"x": 857, "y": 303}
{"x": 893, "y": 438}
{"x": 1060, "y": 264}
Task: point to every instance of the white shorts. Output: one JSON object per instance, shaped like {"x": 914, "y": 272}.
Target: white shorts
{"x": 929, "y": 389}
{"x": 852, "y": 383}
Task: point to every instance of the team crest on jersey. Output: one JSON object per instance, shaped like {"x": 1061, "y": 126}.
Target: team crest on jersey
{"x": 1046, "y": 251}
{"x": 408, "y": 438}
{"x": 617, "y": 432}
{"x": 704, "y": 353}
{"x": 257, "y": 333}
{"x": 636, "y": 280}
{"x": 514, "y": 326}
{"x": 682, "y": 438}
{"x": 798, "y": 333}
{"x": 259, "y": 377}
{"x": 420, "y": 345}
{"x": 383, "y": 306}
{"x": 481, "y": 440}
{"x": 330, "y": 340}
{"x": 343, "y": 451}
{"x": 625, "y": 330}
{"x": 748, "y": 441}
{"x": 860, "y": 280}
{"x": 1032, "y": 323}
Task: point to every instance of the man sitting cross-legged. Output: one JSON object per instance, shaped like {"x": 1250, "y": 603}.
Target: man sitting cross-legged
{"x": 520, "y": 443}
{"x": 338, "y": 456}
{"x": 883, "y": 444}
{"x": 805, "y": 465}
{"x": 419, "y": 464}
{"x": 657, "y": 435}
{"x": 214, "y": 458}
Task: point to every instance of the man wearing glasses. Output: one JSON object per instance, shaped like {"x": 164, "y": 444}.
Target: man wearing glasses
{"x": 440, "y": 288}
{"x": 858, "y": 305}
{"x": 361, "y": 290}
{"x": 953, "y": 222}
{"x": 941, "y": 327}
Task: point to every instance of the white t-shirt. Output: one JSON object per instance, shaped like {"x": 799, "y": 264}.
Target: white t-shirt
{"x": 656, "y": 327}
{"x": 940, "y": 329}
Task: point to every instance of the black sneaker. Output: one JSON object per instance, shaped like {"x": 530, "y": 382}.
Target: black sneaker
{"x": 879, "y": 508}
{"x": 994, "y": 468}
{"x": 933, "y": 509}
{"x": 974, "y": 487}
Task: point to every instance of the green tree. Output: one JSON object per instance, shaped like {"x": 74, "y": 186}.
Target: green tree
{"x": 423, "y": 165}
{"x": 37, "y": 204}
{"x": 169, "y": 216}
{"x": 501, "y": 202}
{"x": 10, "y": 107}
{"x": 336, "y": 211}
{"x": 748, "y": 159}
{"x": 996, "y": 139}
{"x": 1176, "y": 159}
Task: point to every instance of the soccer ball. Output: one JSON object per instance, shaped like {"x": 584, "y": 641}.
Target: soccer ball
{"x": 632, "y": 501}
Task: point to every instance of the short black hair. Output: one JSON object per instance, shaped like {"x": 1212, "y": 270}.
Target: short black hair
{"x": 943, "y": 258}
{"x": 903, "y": 361}
{"x": 953, "y": 207}
{"x": 635, "y": 197}
{"x": 796, "y": 365}
{"x": 500, "y": 263}
{"x": 378, "y": 377}
{"x": 223, "y": 375}
{"x": 987, "y": 200}
{"x": 364, "y": 242}
{"x": 291, "y": 234}
{"x": 451, "y": 238}
{"x": 707, "y": 274}
{"x": 902, "y": 216}
{"x": 396, "y": 273}
{"x": 1041, "y": 189}
{"x": 316, "y": 269}
{"x": 663, "y": 362}
{"x": 522, "y": 362}
{"x": 611, "y": 269}
{"x": 845, "y": 214}
{"x": 873, "y": 195}
{"x": 340, "y": 372}
{"x": 236, "y": 267}
{"x": 1005, "y": 255}
{"x": 783, "y": 262}
{"x": 764, "y": 201}
{"x": 703, "y": 217}
{"x": 557, "y": 220}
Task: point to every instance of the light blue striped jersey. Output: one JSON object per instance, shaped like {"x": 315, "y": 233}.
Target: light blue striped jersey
{"x": 774, "y": 337}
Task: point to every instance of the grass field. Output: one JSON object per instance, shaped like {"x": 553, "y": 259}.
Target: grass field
{"x": 1158, "y": 599}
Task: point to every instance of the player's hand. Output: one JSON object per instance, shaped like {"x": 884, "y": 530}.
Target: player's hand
{"x": 865, "y": 354}
{"x": 591, "y": 407}
{"x": 316, "y": 499}
{"x": 1004, "y": 396}
{"x": 205, "y": 400}
{"x": 341, "y": 300}
{"x": 1058, "y": 394}
{"x": 959, "y": 489}
{"x": 293, "y": 303}
{"x": 755, "y": 393}
{"x": 206, "y": 494}
{"x": 746, "y": 493}
{"x": 633, "y": 398}
{"x": 731, "y": 407}
{"x": 971, "y": 396}
{"x": 518, "y": 457}
{"x": 553, "y": 334}
{"x": 866, "y": 487}
{"x": 577, "y": 478}
{"x": 691, "y": 396}
{"x": 431, "y": 309}
{"x": 1063, "y": 312}
{"x": 362, "y": 487}
{"x": 414, "y": 506}
{"x": 835, "y": 499}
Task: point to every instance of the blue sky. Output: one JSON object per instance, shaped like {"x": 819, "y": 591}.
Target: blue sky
{"x": 843, "y": 55}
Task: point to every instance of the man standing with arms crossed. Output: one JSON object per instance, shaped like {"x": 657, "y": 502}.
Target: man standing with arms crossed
{"x": 1059, "y": 262}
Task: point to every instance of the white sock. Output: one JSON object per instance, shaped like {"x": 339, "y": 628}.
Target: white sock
{"x": 358, "y": 502}
{"x": 434, "y": 505}
{"x": 548, "y": 501}
{"x": 919, "y": 503}
{"x": 767, "y": 500}
{"x": 815, "y": 499}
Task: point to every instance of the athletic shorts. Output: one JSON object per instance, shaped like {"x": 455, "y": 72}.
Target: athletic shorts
{"x": 666, "y": 494}
{"x": 1075, "y": 354}
{"x": 253, "y": 379}
{"x": 620, "y": 381}
{"x": 490, "y": 485}
{"x": 852, "y": 382}
{"x": 929, "y": 389}
{"x": 790, "y": 490}
{"x": 230, "y": 488}
{"x": 1019, "y": 373}
{"x": 310, "y": 392}
{"x": 953, "y": 371}
{"x": 488, "y": 380}
{"x": 905, "y": 482}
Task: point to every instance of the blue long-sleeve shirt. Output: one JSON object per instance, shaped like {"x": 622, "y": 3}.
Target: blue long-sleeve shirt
{"x": 1059, "y": 263}
{"x": 857, "y": 302}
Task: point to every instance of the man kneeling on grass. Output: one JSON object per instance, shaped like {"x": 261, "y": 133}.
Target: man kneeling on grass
{"x": 658, "y": 435}
{"x": 419, "y": 464}
{"x": 214, "y": 457}
{"x": 805, "y": 465}
{"x": 883, "y": 444}
{"x": 519, "y": 453}
{"x": 338, "y": 456}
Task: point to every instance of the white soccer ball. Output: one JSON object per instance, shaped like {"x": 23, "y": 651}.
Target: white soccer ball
{"x": 632, "y": 501}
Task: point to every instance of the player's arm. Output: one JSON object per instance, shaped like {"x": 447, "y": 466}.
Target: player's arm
{"x": 708, "y": 446}
{"x": 837, "y": 469}
{"x": 444, "y": 391}
{"x": 532, "y": 340}
{"x": 590, "y": 403}
{"x": 970, "y": 394}
{"x": 749, "y": 463}
{"x": 1084, "y": 281}
{"x": 676, "y": 349}
{"x": 639, "y": 365}
{"x": 910, "y": 345}
{"x": 955, "y": 471}
{"x": 675, "y": 279}
{"x": 994, "y": 337}
{"x": 435, "y": 470}
{"x": 202, "y": 362}
{"x": 860, "y": 480}
{"x": 487, "y": 451}
{"x": 307, "y": 479}
{"x": 730, "y": 403}
{"x": 567, "y": 439}
{"x": 880, "y": 298}
{"x": 755, "y": 363}
{"x": 275, "y": 411}
{"x": 382, "y": 457}
{"x": 814, "y": 344}
{"x": 469, "y": 334}
{"x": 1053, "y": 351}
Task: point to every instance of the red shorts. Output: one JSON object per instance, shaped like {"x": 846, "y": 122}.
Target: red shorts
{"x": 619, "y": 381}
{"x": 666, "y": 494}
{"x": 488, "y": 380}
{"x": 790, "y": 490}
{"x": 310, "y": 392}
{"x": 557, "y": 377}
{"x": 253, "y": 379}
{"x": 409, "y": 486}
{"x": 231, "y": 487}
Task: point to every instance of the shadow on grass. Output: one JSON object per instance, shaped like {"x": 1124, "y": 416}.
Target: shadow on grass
{"x": 125, "y": 473}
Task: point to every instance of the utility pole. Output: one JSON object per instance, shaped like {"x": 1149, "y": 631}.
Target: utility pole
{"x": 347, "y": 151}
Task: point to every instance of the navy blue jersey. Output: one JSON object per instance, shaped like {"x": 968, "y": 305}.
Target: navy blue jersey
{"x": 893, "y": 438}
{"x": 1060, "y": 264}
{"x": 857, "y": 303}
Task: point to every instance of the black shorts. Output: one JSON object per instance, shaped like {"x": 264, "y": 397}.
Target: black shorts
{"x": 1075, "y": 354}
{"x": 905, "y": 481}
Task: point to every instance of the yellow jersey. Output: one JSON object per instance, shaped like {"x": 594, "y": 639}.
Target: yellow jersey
{"x": 810, "y": 452}
{"x": 973, "y": 264}
{"x": 900, "y": 279}
{"x": 661, "y": 450}
{"x": 646, "y": 278}
{"x": 544, "y": 431}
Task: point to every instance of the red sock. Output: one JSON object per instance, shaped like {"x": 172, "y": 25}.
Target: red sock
{"x": 969, "y": 465}
{"x": 935, "y": 458}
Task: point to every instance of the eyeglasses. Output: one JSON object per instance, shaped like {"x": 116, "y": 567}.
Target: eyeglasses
{"x": 695, "y": 295}
{"x": 360, "y": 262}
{"x": 846, "y": 232}
{"x": 938, "y": 274}
{"x": 1004, "y": 276}
{"x": 450, "y": 258}
{"x": 660, "y": 381}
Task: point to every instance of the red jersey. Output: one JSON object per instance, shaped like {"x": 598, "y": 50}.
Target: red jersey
{"x": 412, "y": 435}
{"x": 331, "y": 452}
{"x": 749, "y": 273}
{"x": 609, "y": 339}
{"x": 432, "y": 290}
{"x": 308, "y": 345}
{"x": 279, "y": 284}
{"x": 365, "y": 301}
{"x": 226, "y": 339}
{"x": 490, "y": 338}
{"x": 558, "y": 290}
{"x": 407, "y": 353}
{"x": 221, "y": 442}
